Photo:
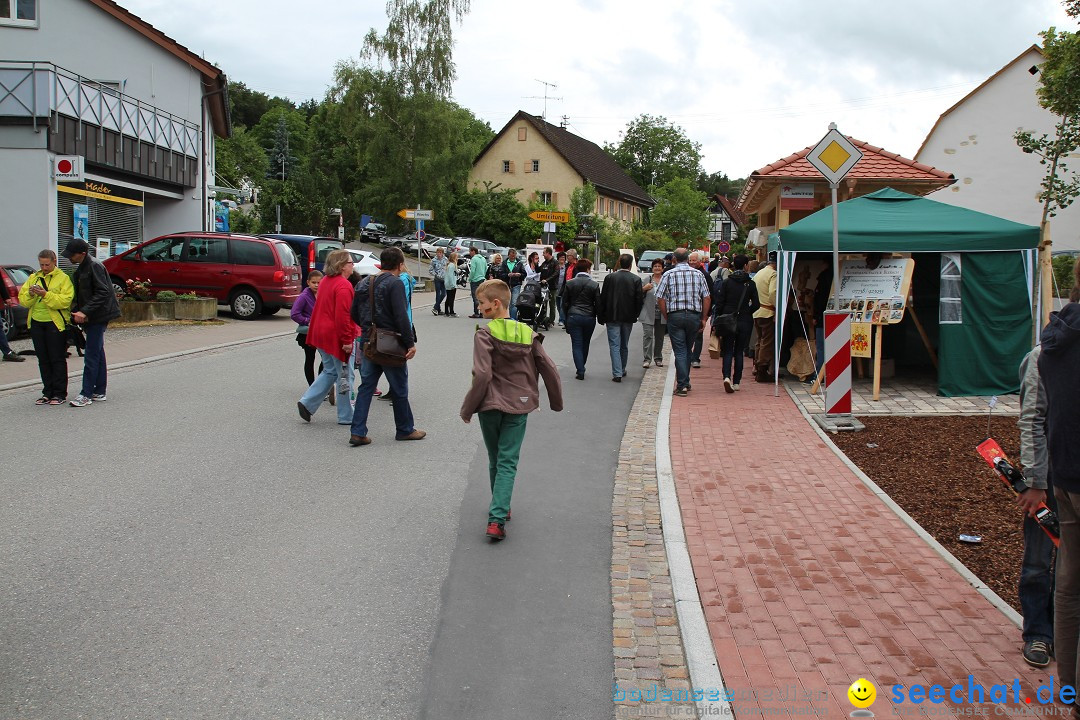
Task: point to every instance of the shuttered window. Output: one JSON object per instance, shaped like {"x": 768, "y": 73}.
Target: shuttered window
{"x": 119, "y": 219}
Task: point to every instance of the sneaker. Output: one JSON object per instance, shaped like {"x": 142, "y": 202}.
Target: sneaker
{"x": 474, "y": 316}
{"x": 659, "y": 363}
{"x": 496, "y": 532}
{"x": 414, "y": 435}
{"x": 98, "y": 397}
{"x": 728, "y": 387}
{"x": 695, "y": 364}
{"x": 14, "y": 357}
{"x": 646, "y": 364}
{"x": 1037, "y": 653}
{"x": 617, "y": 378}
{"x": 682, "y": 392}
{"x": 436, "y": 311}
{"x": 735, "y": 386}
{"x": 81, "y": 401}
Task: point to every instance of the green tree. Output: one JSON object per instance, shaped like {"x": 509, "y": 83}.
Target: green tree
{"x": 488, "y": 212}
{"x": 1059, "y": 92}
{"x": 654, "y": 152}
{"x": 719, "y": 183}
{"x": 681, "y": 210}
{"x": 247, "y": 106}
{"x": 240, "y": 156}
{"x": 417, "y": 47}
{"x": 283, "y": 133}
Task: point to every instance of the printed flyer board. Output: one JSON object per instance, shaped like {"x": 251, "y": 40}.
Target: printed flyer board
{"x": 876, "y": 296}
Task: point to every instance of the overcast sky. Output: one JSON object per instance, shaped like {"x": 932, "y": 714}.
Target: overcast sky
{"x": 751, "y": 81}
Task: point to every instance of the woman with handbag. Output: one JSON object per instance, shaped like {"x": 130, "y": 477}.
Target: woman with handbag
{"x": 735, "y": 302}
{"x": 332, "y": 332}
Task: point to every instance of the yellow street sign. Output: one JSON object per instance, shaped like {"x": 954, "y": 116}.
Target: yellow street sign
{"x": 545, "y": 216}
{"x": 416, "y": 214}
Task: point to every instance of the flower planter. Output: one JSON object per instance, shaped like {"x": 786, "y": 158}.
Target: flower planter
{"x": 204, "y": 308}
{"x": 135, "y": 311}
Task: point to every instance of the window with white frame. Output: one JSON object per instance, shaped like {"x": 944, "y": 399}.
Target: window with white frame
{"x": 19, "y": 12}
{"x": 508, "y": 166}
{"x": 536, "y": 166}
{"x": 544, "y": 196}
{"x": 950, "y": 309}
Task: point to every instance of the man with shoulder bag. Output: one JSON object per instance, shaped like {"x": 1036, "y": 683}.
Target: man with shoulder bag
{"x": 380, "y": 309}
{"x": 94, "y": 307}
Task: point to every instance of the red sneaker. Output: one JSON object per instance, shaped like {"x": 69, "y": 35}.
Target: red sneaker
{"x": 496, "y": 532}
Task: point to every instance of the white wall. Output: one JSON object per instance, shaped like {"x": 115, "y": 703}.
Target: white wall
{"x": 975, "y": 143}
{"x": 28, "y": 207}
{"x": 84, "y": 39}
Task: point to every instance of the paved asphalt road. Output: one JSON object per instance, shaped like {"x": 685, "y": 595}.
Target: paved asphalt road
{"x": 192, "y": 549}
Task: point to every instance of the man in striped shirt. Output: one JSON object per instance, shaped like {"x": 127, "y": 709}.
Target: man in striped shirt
{"x": 684, "y": 300}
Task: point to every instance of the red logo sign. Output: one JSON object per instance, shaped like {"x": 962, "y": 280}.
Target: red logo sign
{"x": 64, "y": 166}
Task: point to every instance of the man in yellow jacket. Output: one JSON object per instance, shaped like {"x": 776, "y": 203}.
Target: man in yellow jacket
{"x": 765, "y": 321}
{"x": 48, "y": 294}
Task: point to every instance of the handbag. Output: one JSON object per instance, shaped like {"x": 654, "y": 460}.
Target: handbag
{"x": 383, "y": 347}
{"x": 727, "y": 323}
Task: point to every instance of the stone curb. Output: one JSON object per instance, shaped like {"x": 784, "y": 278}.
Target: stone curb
{"x": 1012, "y": 615}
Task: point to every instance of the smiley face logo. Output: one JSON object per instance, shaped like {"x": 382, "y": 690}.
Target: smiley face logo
{"x": 862, "y": 693}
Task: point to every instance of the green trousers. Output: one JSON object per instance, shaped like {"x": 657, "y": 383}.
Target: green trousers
{"x": 503, "y": 435}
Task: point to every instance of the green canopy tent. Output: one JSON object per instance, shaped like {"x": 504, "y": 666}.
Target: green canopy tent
{"x": 983, "y": 333}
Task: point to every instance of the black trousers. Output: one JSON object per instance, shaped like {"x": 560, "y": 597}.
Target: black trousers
{"x": 50, "y": 345}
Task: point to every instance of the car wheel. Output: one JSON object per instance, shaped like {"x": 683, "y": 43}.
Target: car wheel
{"x": 270, "y": 309}
{"x": 245, "y": 304}
{"x": 7, "y": 321}
{"x": 119, "y": 287}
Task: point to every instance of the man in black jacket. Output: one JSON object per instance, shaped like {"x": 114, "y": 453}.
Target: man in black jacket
{"x": 389, "y": 313}
{"x": 1058, "y": 363}
{"x": 94, "y": 306}
{"x": 549, "y": 269}
{"x": 621, "y": 299}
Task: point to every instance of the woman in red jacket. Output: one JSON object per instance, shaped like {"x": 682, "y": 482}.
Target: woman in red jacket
{"x": 332, "y": 332}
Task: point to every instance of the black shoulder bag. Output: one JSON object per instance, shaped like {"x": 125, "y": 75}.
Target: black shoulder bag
{"x": 383, "y": 347}
{"x": 727, "y": 323}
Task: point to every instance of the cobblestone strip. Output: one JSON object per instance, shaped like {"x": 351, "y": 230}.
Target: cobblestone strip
{"x": 649, "y": 656}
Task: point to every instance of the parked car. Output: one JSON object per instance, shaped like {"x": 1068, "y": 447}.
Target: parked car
{"x": 442, "y": 242}
{"x": 365, "y": 262}
{"x": 484, "y": 247}
{"x": 426, "y": 248}
{"x": 392, "y": 241}
{"x": 252, "y": 275}
{"x": 12, "y": 314}
{"x": 311, "y": 250}
{"x": 644, "y": 263}
{"x": 373, "y": 232}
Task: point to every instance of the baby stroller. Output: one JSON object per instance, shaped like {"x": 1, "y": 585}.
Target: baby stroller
{"x": 463, "y": 275}
{"x": 531, "y": 302}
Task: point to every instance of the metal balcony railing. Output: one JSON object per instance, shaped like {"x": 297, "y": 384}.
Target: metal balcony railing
{"x": 36, "y": 90}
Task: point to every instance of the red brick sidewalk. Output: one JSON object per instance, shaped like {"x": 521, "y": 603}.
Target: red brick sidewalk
{"x": 807, "y": 579}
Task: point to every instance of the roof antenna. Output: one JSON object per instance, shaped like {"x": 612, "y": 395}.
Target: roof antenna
{"x": 545, "y": 97}
{"x": 565, "y": 121}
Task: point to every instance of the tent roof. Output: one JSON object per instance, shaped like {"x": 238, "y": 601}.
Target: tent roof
{"x": 892, "y": 221}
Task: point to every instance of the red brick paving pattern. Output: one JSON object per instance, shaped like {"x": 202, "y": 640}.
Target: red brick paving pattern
{"x": 808, "y": 581}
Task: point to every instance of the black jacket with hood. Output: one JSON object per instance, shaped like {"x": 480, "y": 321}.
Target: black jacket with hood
{"x": 1058, "y": 369}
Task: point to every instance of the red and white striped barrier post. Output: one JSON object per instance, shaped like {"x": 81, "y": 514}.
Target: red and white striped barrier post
{"x": 837, "y": 363}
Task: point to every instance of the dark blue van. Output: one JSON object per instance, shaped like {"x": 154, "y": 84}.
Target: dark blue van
{"x": 311, "y": 250}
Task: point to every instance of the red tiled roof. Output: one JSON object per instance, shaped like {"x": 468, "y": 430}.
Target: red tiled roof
{"x": 876, "y": 163}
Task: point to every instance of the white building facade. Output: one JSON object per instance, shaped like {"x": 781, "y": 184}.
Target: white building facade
{"x": 86, "y": 78}
{"x": 974, "y": 141}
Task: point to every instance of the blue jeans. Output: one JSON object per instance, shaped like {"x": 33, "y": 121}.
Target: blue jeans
{"x": 95, "y": 373}
{"x": 475, "y": 302}
{"x": 696, "y": 346}
{"x": 1036, "y": 589}
{"x": 398, "y": 377}
{"x": 514, "y": 292}
{"x": 558, "y": 305}
{"x": 682, "y": 327}
{"x": 734, "y": 348}
{"x": 581, "y": 329}
{"x": 618, "y": 338}
{"x": 440, "y": 293}
{"x": 333, "y": 371}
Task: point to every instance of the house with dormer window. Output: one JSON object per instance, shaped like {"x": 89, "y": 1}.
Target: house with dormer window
{"x": 548, "y": 161}
{"x": 102, "y": 117}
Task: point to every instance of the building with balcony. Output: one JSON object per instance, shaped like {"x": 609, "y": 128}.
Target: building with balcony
{"x": 86, "y": 79}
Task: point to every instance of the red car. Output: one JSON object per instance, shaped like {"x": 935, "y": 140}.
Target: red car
{"x": 12, "y": 314}
{"x": 253, "y": 276}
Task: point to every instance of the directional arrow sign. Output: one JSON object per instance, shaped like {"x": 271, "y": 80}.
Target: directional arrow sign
{"x": 416, "y": 214}
{"x": 834, "y": 156}
{"x": 545, "y": 216}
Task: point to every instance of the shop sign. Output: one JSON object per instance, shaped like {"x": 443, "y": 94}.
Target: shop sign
{"x": 68, "y": 168}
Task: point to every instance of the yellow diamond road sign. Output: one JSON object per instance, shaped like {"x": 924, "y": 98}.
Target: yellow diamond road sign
{"x": 834, "y": 156}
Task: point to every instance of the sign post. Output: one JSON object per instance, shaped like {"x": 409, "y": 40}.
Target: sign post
{"x": 834, "y": 157}
{"x": 418, "y": 215}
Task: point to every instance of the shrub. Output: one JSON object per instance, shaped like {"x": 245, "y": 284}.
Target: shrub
{"x": 187, "y": 296}
{"x": 138, "y": 289}
{"x": 165, "y": 296}
{"x": 1063, "y": 274}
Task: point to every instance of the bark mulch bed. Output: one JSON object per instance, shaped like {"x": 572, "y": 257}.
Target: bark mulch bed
{"x": 929, "y": 466}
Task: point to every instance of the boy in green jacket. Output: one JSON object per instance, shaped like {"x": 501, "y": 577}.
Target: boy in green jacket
{"x": 507, "y": 359}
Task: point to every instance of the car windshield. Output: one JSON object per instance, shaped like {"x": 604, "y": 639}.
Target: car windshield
{"x": 19, "y": 274}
